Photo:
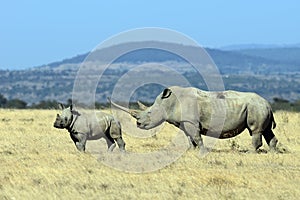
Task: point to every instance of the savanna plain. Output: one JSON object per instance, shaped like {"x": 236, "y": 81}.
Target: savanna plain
{"x": 38, "y": 161}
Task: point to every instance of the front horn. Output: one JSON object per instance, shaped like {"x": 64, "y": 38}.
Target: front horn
{"x": 132, "y": 112}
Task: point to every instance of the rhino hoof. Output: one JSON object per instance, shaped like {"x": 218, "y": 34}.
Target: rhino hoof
{"x": 111, "y": 148}
{"x": 203, "y": 151}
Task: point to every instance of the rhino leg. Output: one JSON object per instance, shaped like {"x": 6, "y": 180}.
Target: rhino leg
{"x": 116, "y": 134}
{"x": 80, "y": 141}
{"x": 110, "y": 143}
{"x": 121, "y": 144}
{"x": 192, "y": 142}
{"x": 270, "y": 139}
{"x": 193, "y": 133}
{"x": 112, "y": 147}
{"x": 256, "y": 140}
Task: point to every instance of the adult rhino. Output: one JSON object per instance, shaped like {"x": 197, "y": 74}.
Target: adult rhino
{"x": 90, "y": 126}
{"x": 192, "y": 110}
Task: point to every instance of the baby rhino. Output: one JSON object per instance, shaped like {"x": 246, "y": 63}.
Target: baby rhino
{"x": 90, "y": 126}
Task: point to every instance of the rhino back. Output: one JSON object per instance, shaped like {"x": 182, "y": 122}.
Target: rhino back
{"x": 99, "y": 123}
{"x": 236, "y": 107}
{"x": 94, "y": 124}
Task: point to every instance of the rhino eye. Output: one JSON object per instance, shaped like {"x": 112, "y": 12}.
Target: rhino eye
{"x": 66, "y": 119}
{"x": 166, "y": 93}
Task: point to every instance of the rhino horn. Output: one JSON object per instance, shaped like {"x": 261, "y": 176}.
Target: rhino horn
{"x": 141, "y": 106}
{"x": 132, "y": 112}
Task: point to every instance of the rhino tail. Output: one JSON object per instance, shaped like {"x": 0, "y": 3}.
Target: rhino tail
{"x": 273, "y": 121}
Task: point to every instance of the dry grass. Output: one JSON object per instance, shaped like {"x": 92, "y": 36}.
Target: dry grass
{"x": 41, "y": 162}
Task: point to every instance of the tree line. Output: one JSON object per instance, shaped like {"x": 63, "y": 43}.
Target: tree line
{"x": 277, "y": 104}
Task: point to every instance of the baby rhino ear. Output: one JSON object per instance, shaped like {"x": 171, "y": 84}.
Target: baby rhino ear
{"x": 72, "y": 107}
{"x": 167, "y": 92}
{"x": 61, "y": 106}
{"x": 73, "y": 110}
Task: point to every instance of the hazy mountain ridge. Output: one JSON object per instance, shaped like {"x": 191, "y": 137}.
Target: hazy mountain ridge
{"x": 227, "y": 61}
{"x": 257, "y": 46}
{"x": 265, "y": 71}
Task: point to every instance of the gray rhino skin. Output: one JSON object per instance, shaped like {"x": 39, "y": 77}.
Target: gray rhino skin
{"x": 88, "y": 126}
{"x": 192, "y": 109}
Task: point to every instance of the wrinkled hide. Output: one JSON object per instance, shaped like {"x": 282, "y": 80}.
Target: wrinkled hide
{"x": 215, "y": 114}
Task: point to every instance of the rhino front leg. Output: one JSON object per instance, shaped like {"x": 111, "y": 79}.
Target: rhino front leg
{"x": 81, "y": 141}
{"x": 193, "y": 132}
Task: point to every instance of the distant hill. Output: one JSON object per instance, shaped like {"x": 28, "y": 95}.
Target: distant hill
{"x": 280, "y": 55}
{"x": 271, "y": 72}
{"x": 256, "y": 61}
{"x": 257, "y": 46}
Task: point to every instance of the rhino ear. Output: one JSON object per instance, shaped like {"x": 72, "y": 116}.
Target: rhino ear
{"x": 61, "y": 106}
{"x": 167, "y": 92}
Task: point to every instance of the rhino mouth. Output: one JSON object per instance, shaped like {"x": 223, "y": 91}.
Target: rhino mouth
{"x": 58, "y": 126}
{"x": 138, "y": 124}
{"x": 141, "y": 125}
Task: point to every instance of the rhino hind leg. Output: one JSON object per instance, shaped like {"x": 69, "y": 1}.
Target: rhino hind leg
{"x": 121, "y": 144}
{"x": 115, "y": 134}
{"x": 110, "y": 144}
{"x": 256, "y": 133}
{"x": 192, "y": 143}
{"x": 256, "y": 141}
{"x": 270, "y": 139}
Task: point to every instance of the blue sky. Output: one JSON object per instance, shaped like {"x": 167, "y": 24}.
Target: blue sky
{"x": 37, "y": 32}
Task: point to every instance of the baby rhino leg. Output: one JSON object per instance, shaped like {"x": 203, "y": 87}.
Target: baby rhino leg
{"x": 79, "y": 140}
{"x": 115, "y": 132}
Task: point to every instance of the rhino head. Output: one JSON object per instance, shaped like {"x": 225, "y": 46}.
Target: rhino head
{"x": 65, "y": 119}
{"x": 150, "y": 117}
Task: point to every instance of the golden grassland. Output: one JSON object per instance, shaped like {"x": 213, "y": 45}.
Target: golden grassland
{"x": 38, "y": 161}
